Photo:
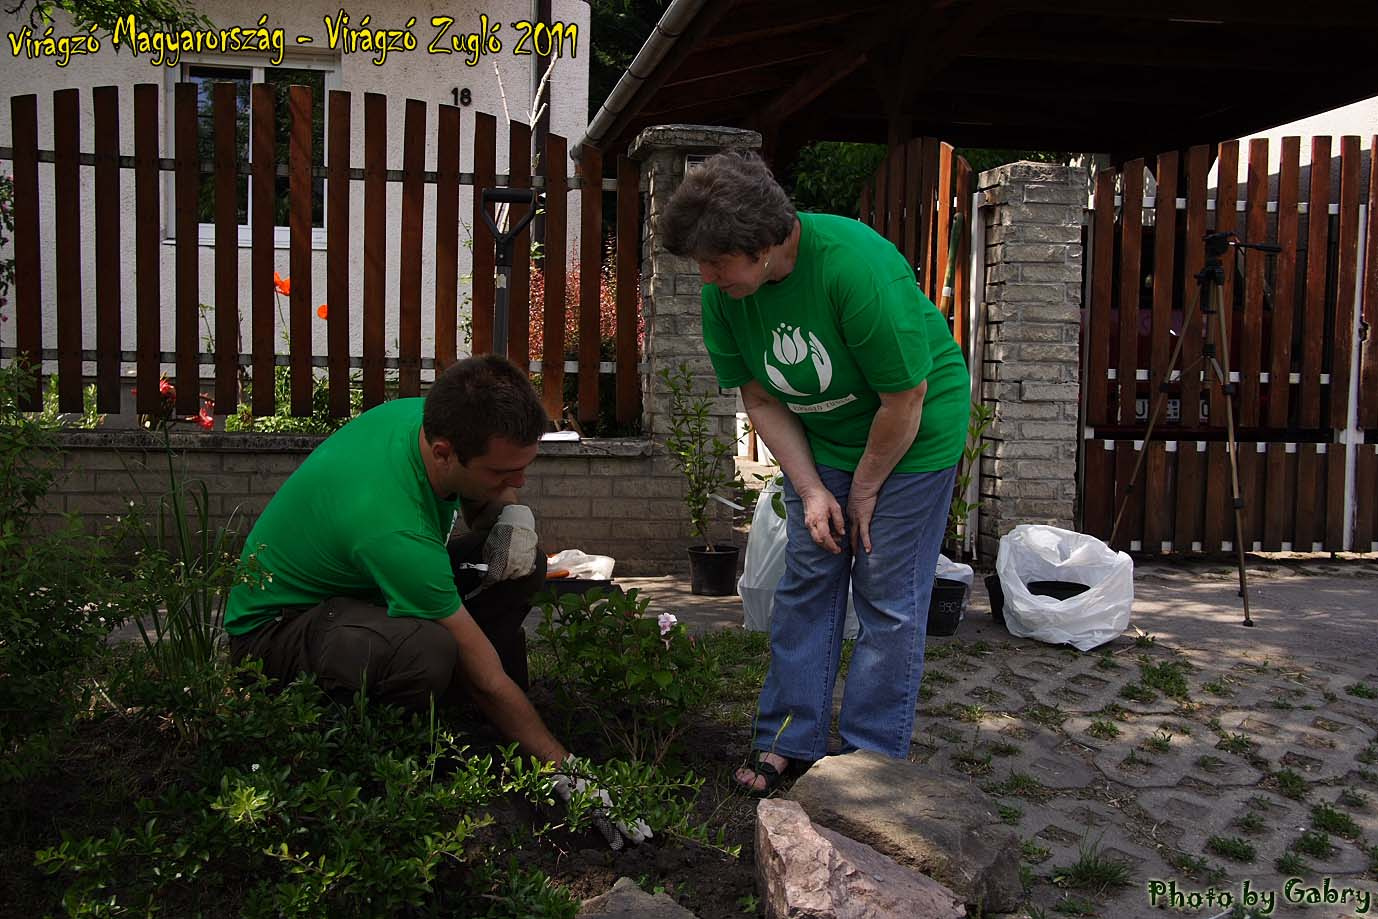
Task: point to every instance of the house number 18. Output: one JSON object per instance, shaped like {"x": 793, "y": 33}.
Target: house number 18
{"x": 462, "y": 96}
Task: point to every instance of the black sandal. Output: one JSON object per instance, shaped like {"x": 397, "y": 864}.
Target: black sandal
{"x": 765, "y": 770}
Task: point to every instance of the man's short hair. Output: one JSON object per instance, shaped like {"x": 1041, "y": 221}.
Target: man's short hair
{"x": 479, "y": 398}
{"x": 730, "y": 203}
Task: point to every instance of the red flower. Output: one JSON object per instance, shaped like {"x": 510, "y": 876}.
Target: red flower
{"x": 205, "y": 418}
{"x": 166, "y": 389}
{"x": 321, "y": 311}
{"x": 283, "y": 285}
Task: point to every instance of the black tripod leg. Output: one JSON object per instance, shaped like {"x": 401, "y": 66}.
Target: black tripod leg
{"x": 1233, "y": 448}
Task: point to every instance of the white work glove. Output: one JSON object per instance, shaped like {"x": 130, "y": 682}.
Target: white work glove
{"x": 616, "y": 834}
{"x": 510, "y": 550}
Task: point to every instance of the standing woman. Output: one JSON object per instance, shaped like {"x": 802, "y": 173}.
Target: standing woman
{"x": 851, "y": 377}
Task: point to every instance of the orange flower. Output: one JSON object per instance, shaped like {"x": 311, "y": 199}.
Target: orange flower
{"x": 284, "y": 285}
{"x": 321, "y": 311}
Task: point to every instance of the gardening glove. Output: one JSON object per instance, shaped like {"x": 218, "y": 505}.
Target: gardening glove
{"x": 510, "y": 550}
{"x": 616, "y": 834}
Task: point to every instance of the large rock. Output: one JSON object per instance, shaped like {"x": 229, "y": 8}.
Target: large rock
{"x": 808, "y": 872}
{"x": 628, "y": 901}
{"x": 945, "y": 828}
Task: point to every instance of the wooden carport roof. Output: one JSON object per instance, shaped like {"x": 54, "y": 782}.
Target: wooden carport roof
{"x": 1110, "y": 76}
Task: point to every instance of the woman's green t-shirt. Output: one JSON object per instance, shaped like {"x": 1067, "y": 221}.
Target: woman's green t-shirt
{"x": 847, "y": 323}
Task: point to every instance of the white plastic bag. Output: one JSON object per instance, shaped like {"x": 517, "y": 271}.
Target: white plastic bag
{"x": 954, "y": 571}
{"x": 1044, "y": 553}
{"x": 765, "y": 565}
{"x": 580, "y": 565}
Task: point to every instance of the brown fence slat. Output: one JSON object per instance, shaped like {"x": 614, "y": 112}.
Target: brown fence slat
{"x": 961, "y": 277}
{"x": 67, "y": 240}
{"x": 1164, "y": 249}
{"x": 1334, "y": 498}
{"x": 409, "y": 262}
{"x": 894, "y": 195}
{"x": 1276, "y": 495}
{"x": 1102, "y": 281}
{"x": 1313, "y": 315}
{"x": 28, "y": 265}
{"x": 1097, "y": 514}
{"x": 485, "y": 176}
{"x": 628, "y": 276}
{"x": 299, "y": 246}
{"x": 1251, "y": 487}
{"x": 1131, "y": 237}
{"x": 1368, "y": 368}
{"x": 446, "y": 237}
{"x": 337, "y": 266}
{"x": 1346, "y": 274}
{"x": 1132, "y": 523}
{"x": 1284, "y": 286}
{"x": 881, "y": 195}
{"x": 913, "y": 205}
{"x": 1219, "y": 504}
{"x": 262, "y": 219}
{"x": 1193, "y": 333}
{"x": 147, "y": 270}
{"x": 1158, "y": 504}
{"x": 106, "y": 108}
{"x": 226, "y": 250}
{"x": 375, "y": 243}
{"x": 188, "y": 281}
{"x": 1190, "y": 495}
{"x": 1309, "y": 497}
{"x": 590, "y": 266}
{"x": 944, "y": 217}
{"x": 1226, "y": 219}
{"x": 1250, "y": 345}
{"x": 928, "y": 193}
{"x": 1366, "y": 514}
{"x": 519, "y": 297}
{"x": 863, "y": 206}
{"x": 555, "y": 267}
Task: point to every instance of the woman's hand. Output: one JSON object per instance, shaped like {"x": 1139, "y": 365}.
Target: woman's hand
{"x": 823, "y": 517}
{"x": 861, "y": 506}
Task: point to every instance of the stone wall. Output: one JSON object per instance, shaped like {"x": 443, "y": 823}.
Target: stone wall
{"x": 608, "y": 497}
{"x": 1031, "y": 366}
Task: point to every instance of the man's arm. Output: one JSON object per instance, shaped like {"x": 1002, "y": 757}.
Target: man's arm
{"x": 500, "y": 699}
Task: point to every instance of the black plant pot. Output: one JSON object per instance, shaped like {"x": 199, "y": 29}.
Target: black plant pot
{"x": 713, "y": 570}
{"x": 945, "y": 606}
{"x": 1058, "y": 590}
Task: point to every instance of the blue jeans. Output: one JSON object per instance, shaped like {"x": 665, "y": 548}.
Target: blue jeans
{"x": 890, "y": 590}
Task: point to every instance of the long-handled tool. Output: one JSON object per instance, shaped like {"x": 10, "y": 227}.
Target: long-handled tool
{"x": 1210, "y": 280}
{"x": 504, "y": 242}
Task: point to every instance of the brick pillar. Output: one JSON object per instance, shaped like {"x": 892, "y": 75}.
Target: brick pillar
{"x": 1031, "y": 367}
{"x": 674, "y": 325}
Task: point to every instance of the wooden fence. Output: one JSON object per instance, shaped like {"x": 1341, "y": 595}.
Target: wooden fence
{"x": 911, "y": 201}
{"x": 1301, "y": 351}
{"x": 71, "y": 214}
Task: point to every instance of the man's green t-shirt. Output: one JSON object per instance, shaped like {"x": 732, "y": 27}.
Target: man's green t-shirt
{"x": 847, "y": 323}
{"x": 359, "y": 519}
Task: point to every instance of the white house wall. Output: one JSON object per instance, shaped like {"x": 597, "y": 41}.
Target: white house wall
{"x": 414, "y": 74}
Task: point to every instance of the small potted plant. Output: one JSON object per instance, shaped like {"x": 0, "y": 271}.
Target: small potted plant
{"x": 705, "y": 460}
{"x": 949, "y": 595}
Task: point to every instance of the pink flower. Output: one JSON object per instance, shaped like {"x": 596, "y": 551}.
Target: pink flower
{"x": 666, "y": 621}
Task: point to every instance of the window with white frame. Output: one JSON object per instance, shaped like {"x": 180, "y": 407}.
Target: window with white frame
{"x": 320, "y": 74}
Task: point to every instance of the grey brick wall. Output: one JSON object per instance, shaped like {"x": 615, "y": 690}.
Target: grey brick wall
{"x": 607, "y": 497}
{"x": 1031, "y": 366}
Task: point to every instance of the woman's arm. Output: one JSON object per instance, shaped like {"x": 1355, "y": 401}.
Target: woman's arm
{"x": 783, "y": 435}
{"x": 892, "y": 433}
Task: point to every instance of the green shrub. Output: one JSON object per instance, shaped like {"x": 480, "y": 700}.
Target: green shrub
{"x": 635, "y": 676}
{"x": 58, "y": 595}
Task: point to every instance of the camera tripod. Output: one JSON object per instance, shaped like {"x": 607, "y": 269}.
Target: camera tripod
{"x": 1210, "y": 281}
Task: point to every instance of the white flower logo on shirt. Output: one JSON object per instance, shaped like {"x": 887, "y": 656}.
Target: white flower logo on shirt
{"x": 789, "y": 348}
